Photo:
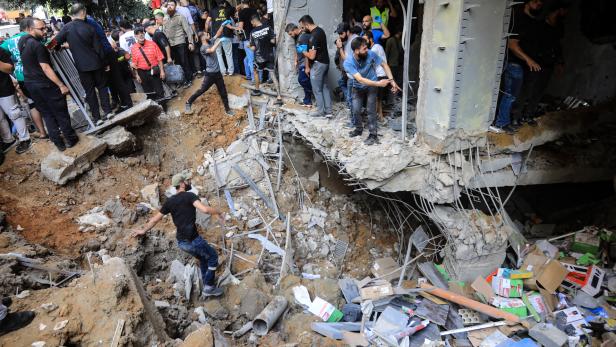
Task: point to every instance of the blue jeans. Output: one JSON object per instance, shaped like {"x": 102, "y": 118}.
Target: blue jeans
{"x": 318, "y": 79}
{"x": 208, "y": 258}
{"x": 357, "y": 99}
{"x": 512, "y": 84}
{"x": 248, "y": 60}
{"x": 304, "y": 81}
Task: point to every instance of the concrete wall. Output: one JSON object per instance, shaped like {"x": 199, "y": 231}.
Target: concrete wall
{"x": 590, "y": 69}
{"x": 326, "y": 14}
{"x": 460, "y": 62}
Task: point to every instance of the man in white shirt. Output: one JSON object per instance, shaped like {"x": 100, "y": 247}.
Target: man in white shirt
{"x": 127, "y": 39}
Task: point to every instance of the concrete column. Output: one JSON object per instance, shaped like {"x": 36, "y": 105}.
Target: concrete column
{"x": 462, "y": 51}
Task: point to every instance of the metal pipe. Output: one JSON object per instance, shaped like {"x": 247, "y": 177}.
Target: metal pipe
{"x": 270, "y": 314}
{"x": 405, "y": 78}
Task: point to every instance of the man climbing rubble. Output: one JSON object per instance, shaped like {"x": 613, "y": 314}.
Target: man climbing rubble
{"x": 183, "y": 206}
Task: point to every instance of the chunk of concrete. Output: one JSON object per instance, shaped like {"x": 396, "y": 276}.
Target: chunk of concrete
{"x": 253, "y": 302}
{"x": 94, "y": 218}
{"x": 120, "y": 141}
{"x": 548, "y": 335}
{"x": 135, "y": 116}
{"x": 150, "y": 194}
{"x": 214, "y": 309}
{"x": 61, "y": 167}
{"x": 238, "y": 102}
{"x": 200, "y": 338}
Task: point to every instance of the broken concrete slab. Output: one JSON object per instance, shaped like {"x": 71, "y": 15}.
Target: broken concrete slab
{"x": 238, "y": 102}
{"x": 150, "y": 194}
{"x": 95, "y": 218}
{"x": 120, "y": 141}
{"x": 214, "y": 309}
{"x": 203, "y": 337}
{"x": 61, "y": 167}
{"x": 135, "y": 116}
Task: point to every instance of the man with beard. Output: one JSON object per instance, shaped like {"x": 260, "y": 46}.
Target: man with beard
{"x": 178, "y": 31}
{"x": 362, "y": 66}
{"x": 46, "y": 89}
{"x": 523, "y": 21}
{"x": 302, "y": 40}
{"x": 381, "y": 33}
{"x": 346, "y": 34}
{"x": 183, "y": 209}
{"x": 318, "y": 60}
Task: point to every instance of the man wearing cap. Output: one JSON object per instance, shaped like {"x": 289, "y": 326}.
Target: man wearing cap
{"x": 183, "y": 208}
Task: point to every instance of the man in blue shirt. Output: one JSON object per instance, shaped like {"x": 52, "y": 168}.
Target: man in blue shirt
{"x": 361, "y": 66}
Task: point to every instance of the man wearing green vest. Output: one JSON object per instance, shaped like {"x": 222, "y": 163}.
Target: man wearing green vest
{"x": 380, "y": 14}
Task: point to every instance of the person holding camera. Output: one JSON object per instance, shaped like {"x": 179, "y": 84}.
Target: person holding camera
{"x": 147, "y": 60}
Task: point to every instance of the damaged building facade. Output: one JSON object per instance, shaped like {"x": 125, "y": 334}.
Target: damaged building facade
{"x": 448, "y": 155}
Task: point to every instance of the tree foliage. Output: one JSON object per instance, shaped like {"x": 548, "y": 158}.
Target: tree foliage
{"x": 104, "y": 8}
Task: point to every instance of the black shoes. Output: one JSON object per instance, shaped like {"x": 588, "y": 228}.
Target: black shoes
{"x": 371, "y": 140}
{"x": 212, "y": 291}
{"x": 23, "y": 146}
{"x": 6, "y": 146}
{"x": 15, "y": 321}
{"x": 355, "y": 133}
{"x": 256, "y": 92}
{"x": 71, "y": 144}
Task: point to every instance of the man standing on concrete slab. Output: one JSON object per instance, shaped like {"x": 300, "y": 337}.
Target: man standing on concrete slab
{"x": 362, "y": 66}
{"x": 90, "y": 60}
{"x": 47, "y": 91}
{"x": 182, "y": 207}
{"x": 244, "y": 16}
{"x": 147, "y": 60}
{"x": 302, "y": 40}
{"x": 222, "y": 18}
{"x": 317, "y": 67}
{"x": 212, "y": 74}
{"x": 262, "y": 42}
{"x": 10, "y": 107}
{"x": 179, "y": 32}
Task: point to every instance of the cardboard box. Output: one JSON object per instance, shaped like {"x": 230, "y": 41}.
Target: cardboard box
{"x": 586, "y": 242}
{"x": 588, "y": 279}
{"x": 326, "y": 311}
{"x": 570, "y": 319}
{"x": 376, "y": 292}
{"x": 548, "y": 273}
{"x": 511, "y": 305}
{"x": 483, "y": 289}
{"x": 506, "y": 287}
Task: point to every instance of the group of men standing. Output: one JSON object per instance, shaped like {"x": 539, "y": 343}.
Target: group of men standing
{"x": 362, "y": 61}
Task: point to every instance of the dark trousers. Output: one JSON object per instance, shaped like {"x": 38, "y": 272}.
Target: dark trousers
{"x": 195, "y": 60}
{"x": 91, "y": 80}
{"x": 208, "y": 80}
{"x": 533, "y": 88}
{"x": 120, "y": 86}
{"x": 152, "y": 85}
{"x": 52, "y": 105}
{"x": 208, "y": 258}
{"x": 513, "y": 77}
{"x": 180, "y": 55}
{"x": 304, "y": 81}
{"x": 358, "y": 96}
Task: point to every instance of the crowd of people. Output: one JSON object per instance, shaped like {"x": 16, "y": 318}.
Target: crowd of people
{"x": 534, "y": 54}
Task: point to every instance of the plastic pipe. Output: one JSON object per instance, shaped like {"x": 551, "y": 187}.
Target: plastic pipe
{"x": 270, "y": 314}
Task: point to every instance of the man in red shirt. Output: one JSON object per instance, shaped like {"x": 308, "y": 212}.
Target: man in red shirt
{"x": 147, "y": 61}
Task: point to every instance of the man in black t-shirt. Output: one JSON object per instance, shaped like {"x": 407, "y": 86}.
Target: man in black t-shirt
{"x": 522, "y": 22}
{"x": 262, "y": 42}
{"x": 161, "y": 40}
{"x": 10, "y": 107}
{"x": 245, "y": 27}
{"x": 221, "y": 16}
{"x": 45, "y": 88}
{"x": 317, "y": 67}
{"x": 183, "y": 209}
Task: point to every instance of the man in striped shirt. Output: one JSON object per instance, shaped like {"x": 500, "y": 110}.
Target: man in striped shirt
{"x": 147, "y": 60}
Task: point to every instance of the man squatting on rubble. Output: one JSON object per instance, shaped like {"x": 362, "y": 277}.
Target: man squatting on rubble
{"x": 212, "y": 74}
{"x": 183, "y": 206}
{"x": 362, "y": 67}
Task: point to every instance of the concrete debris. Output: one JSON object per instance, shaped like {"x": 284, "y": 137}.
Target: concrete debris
{"x": 252, "y": 223}
{"x": 267, "y": 244}
{"x": 200, "y": 338}
{"x": 200, "y": 314}
{"x": 150, "y": 194}
{"x": 214, "y": 309}
{"x": 48, "y": 307}
{"x": 23, "y": 294}
{"x": 61, "y": 167}
{"x": 60, "y": 325}
{"x": 120, "y": 141}
{"x": 138, "y": 115}
{"x": 161, "y": 304}
{"x": 38, "y": 344}
{"x": 238, "y": 102}
{"x": 313, "y": 216}
{"x": 95, "y": 218}
{"x": 253, "y": 302}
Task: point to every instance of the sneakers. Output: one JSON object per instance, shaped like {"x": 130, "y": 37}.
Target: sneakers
{"x": 256, "y": 92}
{"x": 329, "y": 115}
{"x": 23, "y": 146}
{"x": 188, "y": 108}
{"x": 497, "y": 130}
{"x": 212, "y": 291}
{"x": 316, "y": 113}
{"x": 6, "y": 146}
{"x": 278, "y": 102}
{"x": 15, "y": 321}
{"x": 355, "y": 133}
{"x": 230, "y": 113}
{"x": 371, "y": 140}
{"x": 99, "y": 122}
